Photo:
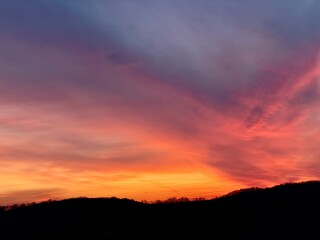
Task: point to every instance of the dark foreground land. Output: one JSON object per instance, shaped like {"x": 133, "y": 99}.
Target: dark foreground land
{"x": 287, "y": 211}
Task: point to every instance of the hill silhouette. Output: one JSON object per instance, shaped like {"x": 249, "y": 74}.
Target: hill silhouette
{"x": 285, "y": 211}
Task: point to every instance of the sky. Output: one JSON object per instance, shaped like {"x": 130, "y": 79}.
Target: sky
{"x": 151, "y": 99}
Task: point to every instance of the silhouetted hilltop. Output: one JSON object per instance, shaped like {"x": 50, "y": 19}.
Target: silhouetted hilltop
{"x": 279, "y": 194}
{"x": 287, "y": 210}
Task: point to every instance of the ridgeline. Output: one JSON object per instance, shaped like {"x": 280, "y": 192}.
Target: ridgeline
{"x": 285, "y": 211}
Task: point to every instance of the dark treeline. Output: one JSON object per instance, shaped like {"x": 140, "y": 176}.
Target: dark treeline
{"x": 285, "y": 211}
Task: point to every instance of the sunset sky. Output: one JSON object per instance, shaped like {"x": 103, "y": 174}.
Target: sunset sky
{"x": 151, "y": 99}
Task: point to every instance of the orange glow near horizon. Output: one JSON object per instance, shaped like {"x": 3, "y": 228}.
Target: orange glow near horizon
{"x": 50, "y": 182}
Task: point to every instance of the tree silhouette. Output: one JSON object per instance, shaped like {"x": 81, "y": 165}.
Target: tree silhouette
{"x": 285, "y": 210}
